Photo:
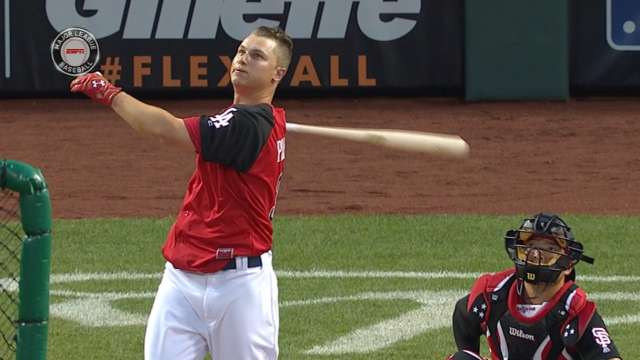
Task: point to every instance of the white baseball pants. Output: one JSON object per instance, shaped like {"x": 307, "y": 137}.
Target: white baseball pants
{"x": 232, "y": 314}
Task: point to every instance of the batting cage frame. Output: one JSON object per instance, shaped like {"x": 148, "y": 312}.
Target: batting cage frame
{"x": 31, "y": 325}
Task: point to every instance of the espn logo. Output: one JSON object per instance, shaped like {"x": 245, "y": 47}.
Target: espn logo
{"x": 623, "y": 27}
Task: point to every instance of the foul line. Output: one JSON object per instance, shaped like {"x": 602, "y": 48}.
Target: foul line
{"x": 378, "y": 274}
{"x": 108, "y": 296}
{"x": 78, "y": 277}
{"x": 7, "y": 40}
{"x": 390, "y": 295}
{"x": 421, "y": 296}
{"x": 429, "y": 275}
{"x": 624, "y": 319}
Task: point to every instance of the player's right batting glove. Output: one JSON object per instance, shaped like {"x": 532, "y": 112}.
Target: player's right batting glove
{"x": 95, "y": 86}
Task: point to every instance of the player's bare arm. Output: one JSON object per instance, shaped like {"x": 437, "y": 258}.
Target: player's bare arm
{"x": 144, "y": 118}
{"x": 151, "y": 120}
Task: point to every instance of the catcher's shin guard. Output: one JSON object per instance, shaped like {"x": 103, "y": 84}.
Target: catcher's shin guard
{"x": 465, "y": 355}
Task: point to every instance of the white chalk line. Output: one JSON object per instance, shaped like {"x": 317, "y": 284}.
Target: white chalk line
{"x": 430, "y": 316}
{"x": 11, "y": 285}
{"x": 285, "y": 274}
{"x": 80, "y": 277}
{"x": 110, "y": 296}
{"x": 420, "y": 296}
{"x": 397, "y": 295}
{"x": 623, "y": 319}
{"x": 97, "y": 310}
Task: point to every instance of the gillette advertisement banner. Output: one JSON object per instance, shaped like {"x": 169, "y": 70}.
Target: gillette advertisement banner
{"x": 178, "y": 46}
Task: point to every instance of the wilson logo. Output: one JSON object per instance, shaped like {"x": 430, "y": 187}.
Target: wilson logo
{"x": 169, "y": 19}
{"x": 531, "y": 276}
{"x": 521, "y": 334}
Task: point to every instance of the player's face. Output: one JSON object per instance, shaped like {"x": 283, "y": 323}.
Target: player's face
{"x": 541, "y": 251}
{"x": 255, "y": 64}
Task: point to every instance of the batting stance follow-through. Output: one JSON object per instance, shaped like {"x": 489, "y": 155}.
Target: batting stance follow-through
{"x": 535, "y": 310}
{"x": 219, "y": 293}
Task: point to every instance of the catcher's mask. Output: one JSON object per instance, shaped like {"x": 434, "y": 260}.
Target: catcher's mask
{"x": 542, "y": 248}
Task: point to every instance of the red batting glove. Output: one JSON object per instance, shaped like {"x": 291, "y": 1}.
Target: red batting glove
{"x": 95, "y": 86}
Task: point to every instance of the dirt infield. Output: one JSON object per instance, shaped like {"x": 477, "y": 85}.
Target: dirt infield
{"x": 580, "y": 157}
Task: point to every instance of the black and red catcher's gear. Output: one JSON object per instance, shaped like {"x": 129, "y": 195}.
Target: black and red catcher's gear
{"x": 567, "y": 327}
{"x": 231, "y": 197}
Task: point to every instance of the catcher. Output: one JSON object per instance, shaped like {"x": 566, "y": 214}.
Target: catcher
{"x": 535, "y": 310}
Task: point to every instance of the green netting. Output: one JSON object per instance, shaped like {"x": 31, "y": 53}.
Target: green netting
{"x": 11, "y": 235}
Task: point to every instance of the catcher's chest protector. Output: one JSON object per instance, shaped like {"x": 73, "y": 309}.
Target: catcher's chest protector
{"x": 542, "y": 337}
{"x": 522, "y": 341}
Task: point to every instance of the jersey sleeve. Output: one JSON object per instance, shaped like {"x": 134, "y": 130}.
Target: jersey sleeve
{"x": 466, "y": 327}
{"x": 235, "y": 137}
{"x": 193, "y": 128}
{"x": 596, "y": 344}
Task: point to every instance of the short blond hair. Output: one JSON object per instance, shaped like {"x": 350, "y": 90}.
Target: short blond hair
{"x": 283, "y": 41}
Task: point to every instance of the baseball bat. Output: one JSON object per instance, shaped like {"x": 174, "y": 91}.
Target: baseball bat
{"x": 436, "y": 144}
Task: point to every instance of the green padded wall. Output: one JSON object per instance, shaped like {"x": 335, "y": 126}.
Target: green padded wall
{"x": 516, "y": 49}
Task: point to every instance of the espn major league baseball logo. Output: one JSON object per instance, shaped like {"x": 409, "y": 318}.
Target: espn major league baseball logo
{"x": 623, "y": 24}
{"x": 75, "y": 51}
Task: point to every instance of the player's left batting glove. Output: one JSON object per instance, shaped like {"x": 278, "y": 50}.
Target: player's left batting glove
{"x": 95, "y": 86}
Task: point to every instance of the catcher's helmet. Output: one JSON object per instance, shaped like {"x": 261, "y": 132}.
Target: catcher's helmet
{"x": 535, "y": 264}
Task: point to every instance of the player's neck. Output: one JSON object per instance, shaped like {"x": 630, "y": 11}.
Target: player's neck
{"x": 252, "y": 97}
{"x": 540, "y": 293}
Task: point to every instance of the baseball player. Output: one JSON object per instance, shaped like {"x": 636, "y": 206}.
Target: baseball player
{"x": 535, "y": 310}
{"x": 219, "y": 293}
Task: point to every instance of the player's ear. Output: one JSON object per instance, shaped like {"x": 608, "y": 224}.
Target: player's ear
{"x": 569, "y": 275}
{"x": 279, "y": 73}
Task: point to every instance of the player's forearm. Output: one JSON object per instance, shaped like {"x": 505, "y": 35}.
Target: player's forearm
{"x": 144, "y": 118}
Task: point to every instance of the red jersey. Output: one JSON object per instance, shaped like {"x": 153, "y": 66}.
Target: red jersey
{"x": 231, "y": 197}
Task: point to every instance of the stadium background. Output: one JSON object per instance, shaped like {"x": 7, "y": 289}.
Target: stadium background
{"x": 574, "y": 156}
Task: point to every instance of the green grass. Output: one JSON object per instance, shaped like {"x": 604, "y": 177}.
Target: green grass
{"x": 345, "y": 243}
